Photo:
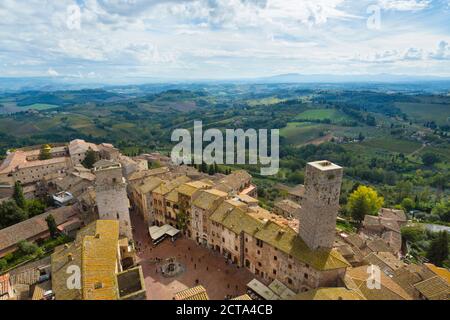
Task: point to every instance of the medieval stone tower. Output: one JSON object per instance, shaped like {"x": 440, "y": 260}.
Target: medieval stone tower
{"x": 111, "y": 195}
{"x": 318, "y": 214}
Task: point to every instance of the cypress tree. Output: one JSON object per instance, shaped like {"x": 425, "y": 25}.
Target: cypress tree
{"x": 52, "y": 227}
{"x": 18, "y": 196}
{"x": 438, "y": 251}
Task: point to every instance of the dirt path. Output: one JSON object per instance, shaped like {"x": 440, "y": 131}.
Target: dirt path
{"x": 320, "y": 140}
{"x": 418, "y": 150}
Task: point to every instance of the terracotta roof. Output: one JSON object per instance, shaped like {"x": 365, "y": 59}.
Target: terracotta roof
{"x": 148, "y": 185}
{"x": 81, "y": 146}
{"x": 247, "y": 199}
{"x": 190, "y": 188}
{"x": 147, "y": 173}
{"x": 172, "y": 196}
{"x": 379, "y": 222}
{"x": 64, "y": 257}
{"x": 37, "y": 163}
{"x": 330, "y": 294}
{"x": 298, "y": 191}
{"x": 234, "y": 181}
{"x": 243, "y": 297}
{"x": 12, "y": 161}
{"x": 441, "y": 272}
{"x": 354, "y": 239}
{"x": 389, "y": 290}
{"x": 408, "y": 276}
{"x": 383, "y": 260}
{"x": 196, "y": 293}
{"x": 378, "y": 245}
{"x": 394, "y": 214}
{"x": 207, "y": 199}
{"x": 434, "y": 288}
{"x": 40, "y": 289}
{"x": 68, "y": 182}
{"x": 97, "y": 259}
{"x": 289, "y": 206}
{"x": 5, "y": 286}
{"x": 34, "y": 226}
{"x": 99, "y": 262}
{"x": 168, "y": 186}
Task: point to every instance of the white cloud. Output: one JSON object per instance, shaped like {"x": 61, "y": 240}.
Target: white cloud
{"x": 52, "y": 72}
{"x": 82, "y": 50}
{"x": 404, "y": 5}
{"x": 442, "y": 52}
{"x": 228, "y": 38}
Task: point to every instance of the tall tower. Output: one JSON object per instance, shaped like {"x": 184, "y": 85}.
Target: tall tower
{"x": 318, "y": 214}
{"x": 111, "y": 195}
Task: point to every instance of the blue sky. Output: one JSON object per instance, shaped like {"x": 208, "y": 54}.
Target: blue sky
{"x": 120, "y": 40}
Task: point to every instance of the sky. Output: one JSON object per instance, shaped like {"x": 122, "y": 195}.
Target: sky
{"x": 120, "y": 40}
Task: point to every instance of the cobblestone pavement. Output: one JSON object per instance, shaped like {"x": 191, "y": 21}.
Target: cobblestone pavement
{"x": 202, "y": 266}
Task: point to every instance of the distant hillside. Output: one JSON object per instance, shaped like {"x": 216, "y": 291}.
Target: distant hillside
{"x": 62, "y": 98}
{"x": 333, "y": 78}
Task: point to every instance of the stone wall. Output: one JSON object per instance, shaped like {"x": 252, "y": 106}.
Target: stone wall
{"x": 319, "y": 209}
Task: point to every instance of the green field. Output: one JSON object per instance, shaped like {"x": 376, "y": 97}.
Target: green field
{"x": 298, "y": 133}
{"x": 264, "y": 101}
{"x": 423, "y": 112}
{"x": 393, "y": 145}
{"x": 322, "y": 114}
{"x": 41, "y": 106}
{"x": 124, "y": 125}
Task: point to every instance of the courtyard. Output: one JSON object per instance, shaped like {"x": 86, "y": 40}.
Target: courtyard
{"x": 201, "y": 267}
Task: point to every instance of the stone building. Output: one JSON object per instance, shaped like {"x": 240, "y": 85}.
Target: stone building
{"x": 187, "y": 192}
{"x": 387, "y": 226}
{"x": 101, "y": 257}
{"x": 34, "y": 229}
{"x": 159, "y": 200}
{"x": 297, "y": 193}
{"x": 319, "y": 210}
{"x": 108, "y": 152}
{"x": 78, "y": 149}
{"x": 271, "y": 249}
{"x": 287, "y": 208}
{"x": 172, "y": 207}
{"x": 76, "y": 182}
{"x": 142, "y": 198}
{"x": 111, "y": 195}
{"x": 24, "y": 166}
{"x": 139, "y": 177}
{"x": 236, "y": 182}
{"x": 202, "y": 208}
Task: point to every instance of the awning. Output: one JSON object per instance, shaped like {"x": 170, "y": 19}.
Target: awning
{"x": 262, "y": 290}
{"x": 157, "y": 233}
{"x": 281, "y": 290}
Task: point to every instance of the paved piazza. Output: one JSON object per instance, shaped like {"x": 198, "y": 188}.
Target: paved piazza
{"x": 201, "y": 264}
